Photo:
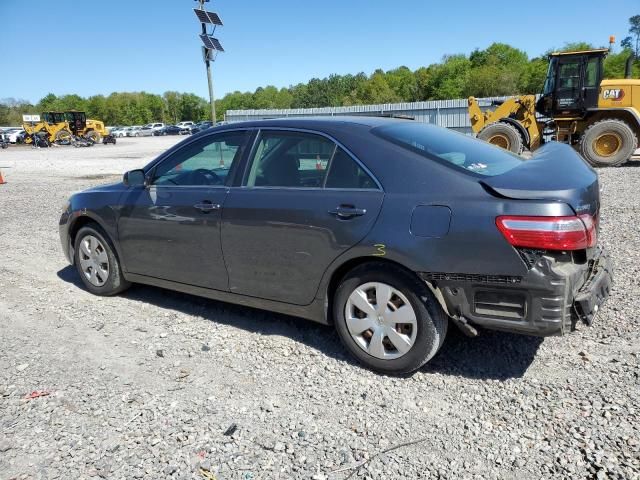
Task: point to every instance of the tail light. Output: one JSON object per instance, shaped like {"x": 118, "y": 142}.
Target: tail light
{"x": 549, "y": 233}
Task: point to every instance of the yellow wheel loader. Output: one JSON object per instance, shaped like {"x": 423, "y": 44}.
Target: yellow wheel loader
{"x": 59, "y": 127}
{"x": 52, "y": 125}
{"x": 599, "y": 117}
{"x": 81, "y": 126}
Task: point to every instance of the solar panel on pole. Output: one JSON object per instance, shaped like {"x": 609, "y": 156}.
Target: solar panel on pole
{"x": 212, "y": 43}
{"x": 208, "y": 17}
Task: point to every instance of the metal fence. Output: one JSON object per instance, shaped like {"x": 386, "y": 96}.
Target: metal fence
{"x": 446, "y": 113}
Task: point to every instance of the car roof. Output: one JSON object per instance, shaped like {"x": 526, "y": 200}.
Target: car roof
{"x": 319, "y": 121}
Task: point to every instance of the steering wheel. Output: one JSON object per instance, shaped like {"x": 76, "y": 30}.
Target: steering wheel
{"x": 205, "y": 177}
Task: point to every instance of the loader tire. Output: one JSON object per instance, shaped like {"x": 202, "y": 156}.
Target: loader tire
{"x": 63, "y": 137}
{"x": 93, "y": 136}
{"x": 608, "y": 143}
{"x": 502, "y": 135}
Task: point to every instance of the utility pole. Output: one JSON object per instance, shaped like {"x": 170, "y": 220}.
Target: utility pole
{"x": 211, "y": 47}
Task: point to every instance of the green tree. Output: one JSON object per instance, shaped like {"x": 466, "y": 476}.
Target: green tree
{"x": 404, "y": 84}
{"x": 450, "y": 79}
{"x": 533, "y": 76}
{"x": 96, "y": 107}
{"x": 376, "y": 90}
{"x": 631, "y": 43}
{"x": 615, "y": 63}
{"x": 172, "y": 106}
{"x": 423, "y": 83}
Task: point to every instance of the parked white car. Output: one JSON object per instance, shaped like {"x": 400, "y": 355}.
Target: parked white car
{"x": 15, "y": 135}
{"x": 185, "y": 127}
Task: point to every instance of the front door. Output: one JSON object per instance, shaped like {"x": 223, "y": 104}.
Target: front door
{"x": 568, "y": 98}
{"x": 303, "y": 202}
{"x": 171, "y": 228}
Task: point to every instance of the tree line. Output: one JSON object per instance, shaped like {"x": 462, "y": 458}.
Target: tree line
{"x": 498, "y": 70}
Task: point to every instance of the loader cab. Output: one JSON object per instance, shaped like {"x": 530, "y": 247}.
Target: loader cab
{"x": 77, "y": 121}
{"x": 53, "y": 118}
{"x": 572, "y": 84}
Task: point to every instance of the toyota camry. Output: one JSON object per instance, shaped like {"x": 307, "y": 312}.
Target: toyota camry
{"x": 390, "y": 230}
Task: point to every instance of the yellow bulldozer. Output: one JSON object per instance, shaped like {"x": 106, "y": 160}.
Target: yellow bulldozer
{"x": 59, "y": 127}
{"x": 598, "y": 117}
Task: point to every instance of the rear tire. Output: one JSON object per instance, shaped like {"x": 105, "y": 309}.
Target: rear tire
{"x": 96, "y": 262}
{"x": 502, "y": 135}
{"x": 608, "y": 143}
{"x": 409, "y": 300}
{"x": 93, "y": 136}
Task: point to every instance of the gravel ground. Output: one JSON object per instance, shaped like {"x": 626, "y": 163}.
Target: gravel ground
{"x": 154, "y": 384}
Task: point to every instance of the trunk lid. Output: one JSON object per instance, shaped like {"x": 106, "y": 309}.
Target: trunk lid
{"x": 555, "y": 172}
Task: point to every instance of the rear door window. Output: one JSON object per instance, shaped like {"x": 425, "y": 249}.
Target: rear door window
{"x": 344, "y": 172}
{"x": 290, "y": 159}
{"x": 450, "y": 148}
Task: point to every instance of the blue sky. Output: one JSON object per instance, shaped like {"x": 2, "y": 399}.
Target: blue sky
{"x": 118, "y": 45}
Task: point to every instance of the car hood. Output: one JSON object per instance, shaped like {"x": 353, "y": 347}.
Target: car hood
{"x": 555, "y": 172}
{"x": 109, "y": 187}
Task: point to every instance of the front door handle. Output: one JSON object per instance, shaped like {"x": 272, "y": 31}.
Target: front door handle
{"x": 206, "y": 206}
{"x": 346, "y": 212}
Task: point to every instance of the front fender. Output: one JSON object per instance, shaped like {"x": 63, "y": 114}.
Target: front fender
{"x": 89, "y": 207}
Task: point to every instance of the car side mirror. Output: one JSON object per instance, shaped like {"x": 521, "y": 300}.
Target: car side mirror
{"x": 134, "y": 178}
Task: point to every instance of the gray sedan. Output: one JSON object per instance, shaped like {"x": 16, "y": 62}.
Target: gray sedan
{"x": 390, "y": 230}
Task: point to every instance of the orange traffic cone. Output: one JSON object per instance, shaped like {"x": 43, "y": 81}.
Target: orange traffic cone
{"x": 2, "y": 181}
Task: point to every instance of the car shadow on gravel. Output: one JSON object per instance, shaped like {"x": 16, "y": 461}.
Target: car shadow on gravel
{"x": 491, "y": 355}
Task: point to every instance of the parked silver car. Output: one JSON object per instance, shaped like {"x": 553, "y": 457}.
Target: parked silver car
{"x": 133, "y": 131}
{"x": 149, "y": 129}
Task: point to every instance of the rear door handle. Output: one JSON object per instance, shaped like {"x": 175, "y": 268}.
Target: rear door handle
{"x": 207, "y": 206}
{"x": 346, "y": 212}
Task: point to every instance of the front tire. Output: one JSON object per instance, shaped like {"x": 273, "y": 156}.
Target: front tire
{"x": 97, "y": 263}
{"x": 388, "y": 319}
{"x": 502, "y": 135}
{"x": 63, "y": 137}
{"x": 608, "y": 143}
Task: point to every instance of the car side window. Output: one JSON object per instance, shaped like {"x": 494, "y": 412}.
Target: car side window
{"x": 206, "y": 161}
{"x": 344, "y": 172}
{"x": 290, "y": 159}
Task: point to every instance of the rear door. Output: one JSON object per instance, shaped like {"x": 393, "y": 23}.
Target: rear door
{"x": 592, "y": 78}
{"x": 303, "y": 201}
{"x": 171, "y": 228}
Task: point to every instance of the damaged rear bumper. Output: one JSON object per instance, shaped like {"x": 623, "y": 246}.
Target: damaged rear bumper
{"x": 549, "y": 300}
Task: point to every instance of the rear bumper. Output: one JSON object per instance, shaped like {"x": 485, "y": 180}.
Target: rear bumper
{"x": 549, "y": 300}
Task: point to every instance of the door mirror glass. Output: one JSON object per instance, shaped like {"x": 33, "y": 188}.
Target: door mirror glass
{"x": 134, "y": 178}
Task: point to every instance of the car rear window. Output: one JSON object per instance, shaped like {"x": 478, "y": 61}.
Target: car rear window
{"x": 451, "y": 148}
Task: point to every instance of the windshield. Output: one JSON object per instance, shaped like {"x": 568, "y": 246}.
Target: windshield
{"x": 451, "y": 148}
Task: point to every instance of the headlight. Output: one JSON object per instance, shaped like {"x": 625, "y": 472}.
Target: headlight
{"x": 66, "y": 207}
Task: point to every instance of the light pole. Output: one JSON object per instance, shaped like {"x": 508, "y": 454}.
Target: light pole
{"x": 211, "y": 46}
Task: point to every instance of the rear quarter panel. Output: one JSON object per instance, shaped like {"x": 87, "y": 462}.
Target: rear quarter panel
{"x": 472, "y": 244}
